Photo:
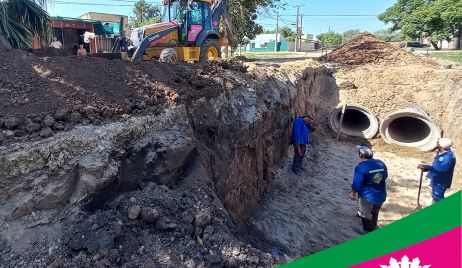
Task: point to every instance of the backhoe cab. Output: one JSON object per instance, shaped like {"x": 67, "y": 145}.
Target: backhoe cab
{"x": 189, "y": 31}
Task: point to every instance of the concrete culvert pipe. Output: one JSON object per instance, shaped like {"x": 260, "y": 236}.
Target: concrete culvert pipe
{"x": 358, "y": 121}
{"x": 411, "y": 128}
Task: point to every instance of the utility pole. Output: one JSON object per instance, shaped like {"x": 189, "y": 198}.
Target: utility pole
{"x": 296, "y": 29}
{"x": 301, "y": 32}
{"x": 277, "y": 32}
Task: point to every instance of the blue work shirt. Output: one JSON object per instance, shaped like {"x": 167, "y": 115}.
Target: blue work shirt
{"x": 442, "y": 170}
{"x": 300, "y": 132}
{"x": 369, "y": 181}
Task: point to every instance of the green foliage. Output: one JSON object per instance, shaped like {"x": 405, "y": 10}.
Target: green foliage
{"x": 435, "y": 19}
{"x": 349, "y": 35}
{"x": 267, "y": 31}
{"x": 390, "y": 36}
{"x": 244, "y": 13}
{"x": 450, "y": 56}
{"x": 330, "y": 39}
{"x": 286, "y": 31}
{"x": 144, "y": 13}
{"x": 290, "y": 38}
{"x": 20, "y": 20}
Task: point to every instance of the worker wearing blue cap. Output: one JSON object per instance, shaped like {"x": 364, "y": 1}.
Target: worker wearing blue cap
{"x": 369, "y": 183}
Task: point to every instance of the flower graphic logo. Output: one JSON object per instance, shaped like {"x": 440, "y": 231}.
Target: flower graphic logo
{"x": 404, "y": 263}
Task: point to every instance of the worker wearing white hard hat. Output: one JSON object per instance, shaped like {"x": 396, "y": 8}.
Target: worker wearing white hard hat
{"x": 442, "y": 170}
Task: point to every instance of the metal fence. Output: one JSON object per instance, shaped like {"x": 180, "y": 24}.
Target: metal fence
{"x": 104, "y": 44}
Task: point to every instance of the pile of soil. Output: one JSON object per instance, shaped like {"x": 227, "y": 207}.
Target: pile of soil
{"x": 50, "y": 52}
{"x": 42, "y": 95}
{"x": 155, "y": 226}
{"x": 3, "y": 43}
{"x": 366, "y": 48}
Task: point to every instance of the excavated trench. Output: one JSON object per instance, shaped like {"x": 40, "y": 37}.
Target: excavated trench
{"x": 235, "y": 138}
{"x": 204, "y": 166}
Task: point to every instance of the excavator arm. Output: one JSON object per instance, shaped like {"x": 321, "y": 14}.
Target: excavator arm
{"x": 219, "y": 10}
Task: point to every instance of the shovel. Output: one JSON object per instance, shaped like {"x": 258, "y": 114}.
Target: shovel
{"x": 420, "y": 188}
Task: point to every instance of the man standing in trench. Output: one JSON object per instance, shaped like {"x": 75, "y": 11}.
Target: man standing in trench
{"x": 369, "y": 183}
{"x": 442, "y": 170}
{"x": 300, "y": 138}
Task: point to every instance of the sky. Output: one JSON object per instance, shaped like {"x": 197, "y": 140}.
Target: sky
{"x": 319, "y": 16}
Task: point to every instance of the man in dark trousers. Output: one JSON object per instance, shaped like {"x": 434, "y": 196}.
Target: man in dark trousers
{"x": 369, "y": 183}
{"x": 299, "y": 139}
{"x": 442, "y": 170}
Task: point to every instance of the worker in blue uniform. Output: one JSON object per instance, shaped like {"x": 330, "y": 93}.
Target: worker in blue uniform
{"x": 369, "y": 183}
{"x": 300, "y": 138}
{"x": 442, "y": 170}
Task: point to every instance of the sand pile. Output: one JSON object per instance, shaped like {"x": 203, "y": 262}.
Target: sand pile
{"x": 366, "y": 48}
{"x": 299, "y": 66}
{"x": 42, "y": 95}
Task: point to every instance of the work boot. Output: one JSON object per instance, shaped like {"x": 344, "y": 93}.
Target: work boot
{"x": 359, "y": 230}
{"x": 375, "y": 219}
{"x": 367, "y": 225}
{"x": 296, "y": 172}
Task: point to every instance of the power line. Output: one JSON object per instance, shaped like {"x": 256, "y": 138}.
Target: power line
{"x": 133, "y": 1}
{"x": 90, "y": 4}
{"x": 283, "y": 21}
{"x": 99, "y": 4}
{"x": 268, "y": 16}
{"x": 331, "y": 15}
{"x": 123, "y": 1}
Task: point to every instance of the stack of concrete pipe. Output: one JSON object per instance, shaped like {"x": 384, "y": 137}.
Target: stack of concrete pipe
{"x": 408, "y": 127}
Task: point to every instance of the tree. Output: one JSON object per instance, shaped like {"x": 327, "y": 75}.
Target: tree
{"x": 435, "y": 19}
{"x": 330, "y": 39}
{"x": 244, "y": 13}
{"x": 349, "y": 35}
{"x": 21, "y": 20}
{"x": 286, "y": 31}
{"x": 144, "y": 14}
{"x": 390, "y": 36}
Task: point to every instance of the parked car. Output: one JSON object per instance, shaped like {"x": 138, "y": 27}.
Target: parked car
{"x": 415, "y": 44}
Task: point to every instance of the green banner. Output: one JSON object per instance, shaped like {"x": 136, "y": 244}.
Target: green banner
{"x": 425, "y": 224}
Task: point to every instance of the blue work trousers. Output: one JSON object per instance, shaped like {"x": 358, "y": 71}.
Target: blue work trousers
{"x": 298, "y": 158}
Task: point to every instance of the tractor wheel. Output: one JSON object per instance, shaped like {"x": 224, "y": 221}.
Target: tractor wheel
{"x": 210, "y": 50}
{"x": 168, "y": 55}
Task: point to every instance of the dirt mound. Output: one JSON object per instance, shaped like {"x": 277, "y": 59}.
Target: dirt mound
{"x": 299, "y": 66}
{"x": 41, "y": 95}
{"x": 155, "y": 226}
{"x": 50, "y": 52}
{"x": 3, "y": 43}
{"x": 366, "y": 48}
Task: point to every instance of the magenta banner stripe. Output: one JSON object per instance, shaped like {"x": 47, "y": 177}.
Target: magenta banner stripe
{"x": 442, "y": 251}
